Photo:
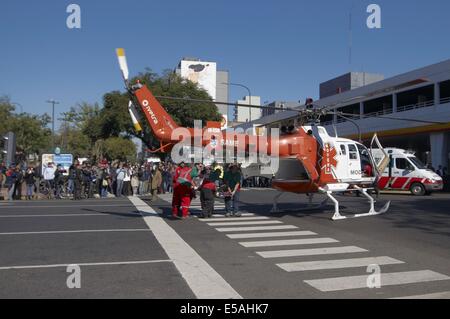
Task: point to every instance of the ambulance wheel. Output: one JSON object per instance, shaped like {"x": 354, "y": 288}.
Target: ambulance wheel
{"x": 418, "y": 189}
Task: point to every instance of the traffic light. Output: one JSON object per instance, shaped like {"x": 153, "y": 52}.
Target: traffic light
{"x": 9, "y": 148}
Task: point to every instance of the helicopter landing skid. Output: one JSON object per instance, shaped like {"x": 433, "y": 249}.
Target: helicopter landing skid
{"x": 372, "y": 211}
{"x": 310, "y": 206}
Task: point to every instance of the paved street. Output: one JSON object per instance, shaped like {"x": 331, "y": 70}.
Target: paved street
{"x": 128, "y": 248}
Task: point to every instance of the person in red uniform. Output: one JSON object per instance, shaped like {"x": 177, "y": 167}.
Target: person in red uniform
{"x": 176, "y": 191}
{"x": 368, "y": 171}
{"x": 182, "y": 191}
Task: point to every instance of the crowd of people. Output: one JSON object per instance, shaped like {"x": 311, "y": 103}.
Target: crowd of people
{"x": 83, "y": 180}
{"x": 118, "y": 179}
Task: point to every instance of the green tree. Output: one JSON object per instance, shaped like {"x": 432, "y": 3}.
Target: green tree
{"x": 32, "y": 134}
{"x": 117, "y": 148}
{"x": 6, "y": 114}
{"x": 80, "y": 115}
{"x": 74, "y": 141}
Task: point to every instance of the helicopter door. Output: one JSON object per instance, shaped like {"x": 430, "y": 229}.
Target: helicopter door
{"x": 354, "y": 162}
{"x": 342, "y": 170}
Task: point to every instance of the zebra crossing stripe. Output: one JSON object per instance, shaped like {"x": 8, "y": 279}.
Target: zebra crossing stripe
{"x": 271, "y": 234}
{"x": 338, "y": 264}
{"x": 255, "y": 228}
{"x": 311, "y": 252}
{"x": 388, "y": 279}
{"x": 308, "y": 241}
{"x": 234, "y": 219}
{"x": 437, "y": 295}
{"x": 247, "y": 223}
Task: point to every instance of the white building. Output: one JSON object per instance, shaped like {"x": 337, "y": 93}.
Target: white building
{"x": 246, "y": 114}
{"x": 206, "y": 75}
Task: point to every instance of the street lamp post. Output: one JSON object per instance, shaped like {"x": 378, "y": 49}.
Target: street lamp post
{"x": 53, "y": 102}
{"x": 249, "y": 96}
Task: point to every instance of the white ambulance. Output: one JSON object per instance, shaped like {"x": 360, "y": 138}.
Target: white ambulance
{"x": 406, "y": 172}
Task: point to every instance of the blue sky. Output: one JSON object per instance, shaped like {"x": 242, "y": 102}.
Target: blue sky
{"x": 281, "y": 49}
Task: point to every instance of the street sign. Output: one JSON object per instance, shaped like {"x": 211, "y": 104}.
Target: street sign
{"x": 65, "y": 160}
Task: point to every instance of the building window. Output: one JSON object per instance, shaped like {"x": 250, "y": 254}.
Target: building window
{"x": 445, "y": 91}
{"x": 417, "y": 98}
{"x": 379, "y": 106}
{"x": 349, "y": 109}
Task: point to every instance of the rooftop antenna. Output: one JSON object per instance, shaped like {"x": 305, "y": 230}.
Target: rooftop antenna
{"x": 350, "y": 31}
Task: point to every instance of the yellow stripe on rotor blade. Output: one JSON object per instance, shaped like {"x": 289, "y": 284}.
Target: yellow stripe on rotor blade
{"x": 120, "y": 52}
{"x": 137, "y": 127}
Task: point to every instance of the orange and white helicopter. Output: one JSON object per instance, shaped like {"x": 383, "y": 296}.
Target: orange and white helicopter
{"x": 310, "y": 160}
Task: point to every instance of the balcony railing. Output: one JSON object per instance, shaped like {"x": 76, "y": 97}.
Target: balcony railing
{"x": 354, "y": 117}
{"x": 402, "y": 108}
{"x": 445, "y": 100}
{"x": 420, "y": 105}
{"x": 379, "y": 113}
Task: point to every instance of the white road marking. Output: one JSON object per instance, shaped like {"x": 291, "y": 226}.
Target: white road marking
{"x": 52, "y": 215}
{"x": 247, "y": 223}
{"x": 311, "y": 252}
{"x": 67, "y": 206}
{"x": 88, "y": 264}
{"x": 338, "y": 264}
{"x": 438, "y": 295}
{"x": 230, "y": 219}
{"x": 76, "y": 231}
{"x": 387, "y": 279}
{"x": 222, "y": 215}
{"x": 289, "y": 242}
{"x": 199, "y": 208}
{"x": 271, "y": 234}
{"x": 203, "y": 280}
{"x": 256, "y": 228}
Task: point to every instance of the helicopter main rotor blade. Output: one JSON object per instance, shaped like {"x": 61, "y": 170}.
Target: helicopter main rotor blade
{"x": 123, "y": 63}
{"x": 389, "y": 118}
{"x": 223, "y": 103}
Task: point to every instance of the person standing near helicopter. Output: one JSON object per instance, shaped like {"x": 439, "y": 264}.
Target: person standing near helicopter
{"x": 232, "y": 180}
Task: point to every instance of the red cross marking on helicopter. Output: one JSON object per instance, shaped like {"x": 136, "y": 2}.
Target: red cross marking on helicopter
{"x": 329, "y": 158}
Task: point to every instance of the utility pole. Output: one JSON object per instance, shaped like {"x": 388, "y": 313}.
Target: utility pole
{"x": 249, "y": 96}
{"x": 53, "y": 103}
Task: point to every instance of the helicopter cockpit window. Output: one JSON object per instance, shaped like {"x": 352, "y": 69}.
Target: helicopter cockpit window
{"x": 343, "y": 150}
{"x": 364, "y": 153}
{"x": 352, "y": 152}
{"x": 366, "y": 162}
